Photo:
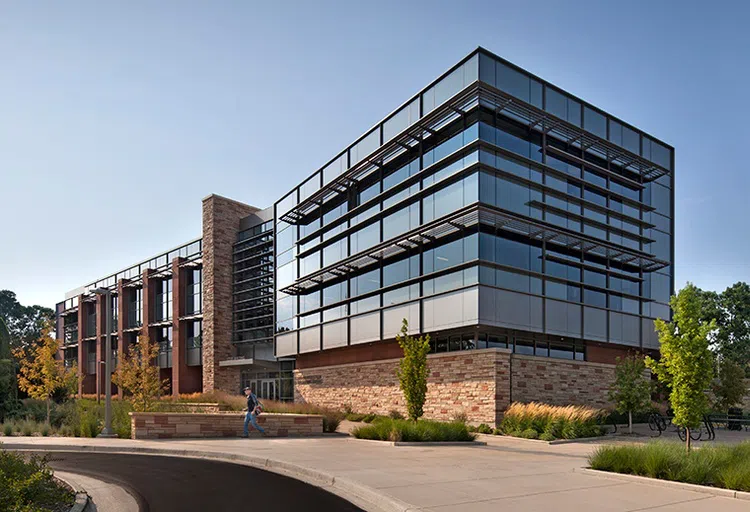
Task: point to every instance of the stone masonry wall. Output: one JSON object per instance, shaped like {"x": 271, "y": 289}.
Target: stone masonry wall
{"x": 477, "y": 383}
{"x": 560, "y": 382}
{"x": 167, "y": 425}
{"x": 221, "y": 220}
{"x": 464, "y": 382}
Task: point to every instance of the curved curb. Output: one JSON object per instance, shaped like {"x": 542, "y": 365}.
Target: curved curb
{"x": 705, "y": 489}
{"x": 465, "y": 444}
{"x": 365, "y": 497}
{"x": 82, "y": 498}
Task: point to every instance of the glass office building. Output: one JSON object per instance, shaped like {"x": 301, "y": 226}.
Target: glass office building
{"x": 490, "y": 210}
{"x": 501, "y": 215}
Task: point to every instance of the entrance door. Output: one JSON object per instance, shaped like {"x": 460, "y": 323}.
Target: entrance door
{"x": 268, "y": 389}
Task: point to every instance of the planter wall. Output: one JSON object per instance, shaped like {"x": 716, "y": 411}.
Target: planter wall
{"x": 168, "y": 425}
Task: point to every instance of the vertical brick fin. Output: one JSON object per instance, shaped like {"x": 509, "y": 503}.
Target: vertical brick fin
{"x": 221, "y": 219}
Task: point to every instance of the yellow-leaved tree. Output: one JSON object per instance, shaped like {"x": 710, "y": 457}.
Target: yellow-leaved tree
{"x": 138, "y": 375}
{"x": 41, "y": 374}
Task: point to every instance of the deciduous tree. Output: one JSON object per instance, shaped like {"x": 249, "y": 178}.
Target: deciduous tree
{"x": 729, "y": 389}
{"x": 138, "y": 375}
{"x": 631, "y": 391}
{"x": 8, "y": 386}
{"x": 41, "y": 374}
{"x": 686, "y": 363}
{"x": 413, "y": 370}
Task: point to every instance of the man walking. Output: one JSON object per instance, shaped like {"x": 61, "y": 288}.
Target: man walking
{"x": 251, "y": 414}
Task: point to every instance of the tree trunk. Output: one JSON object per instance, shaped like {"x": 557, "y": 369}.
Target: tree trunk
{"x": 630, "y": 422}
{"x": 687, "y": 438}
{"x": 48, "y": 400}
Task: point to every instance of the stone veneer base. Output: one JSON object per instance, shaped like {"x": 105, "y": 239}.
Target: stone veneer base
{"x": 478, "y": 383}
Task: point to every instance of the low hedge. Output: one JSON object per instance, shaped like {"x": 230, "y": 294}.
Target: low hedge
{"x": 389, "y": 429}
{"x": 723, "y": 466}
{"x": 28, "y": 485}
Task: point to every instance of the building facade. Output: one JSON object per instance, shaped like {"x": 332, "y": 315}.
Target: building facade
{"x": 526, "y": 231}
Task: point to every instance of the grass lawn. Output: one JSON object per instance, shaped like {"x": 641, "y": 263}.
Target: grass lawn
{"x": 726, "y": 466}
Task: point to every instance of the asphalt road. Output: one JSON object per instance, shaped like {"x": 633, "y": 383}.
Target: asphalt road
{"x": 163, "y": 484}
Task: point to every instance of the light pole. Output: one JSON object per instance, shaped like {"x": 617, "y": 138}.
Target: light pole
{"x": 107, "y": 431}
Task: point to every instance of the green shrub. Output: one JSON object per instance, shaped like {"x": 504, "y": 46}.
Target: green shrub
{"x": 369, "y": 418}
{"x": 395, "y": 415}
{"x": 460, "y": 417}
{"x": 387, "y": 429}
{"x": 331, "y": 421}
{"x": 28, "y": 484}
{"x": 721, "y": 466}
{"x": 66, "y": 431}
{"x": 497, "y": 432}
{"x": 483, "y": 428}
{"x": 27, "y": 428}
{"x": 7, "y": 429}
{"x": 529, "y": 433}
{"x": 356, "y": 417}
{"x": 545, "y": 436}
{"x": 45, "y": 430}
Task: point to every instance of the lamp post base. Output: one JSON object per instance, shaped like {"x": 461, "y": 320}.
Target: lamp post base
{"x": 107, "y": 434}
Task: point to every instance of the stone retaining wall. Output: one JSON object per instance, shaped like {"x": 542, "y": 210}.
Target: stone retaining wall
{"x": 459, "y": 383}
{"x": 168, "y": 425}
{"x": 477, "y": 383}
{"x": 561, "y": 382}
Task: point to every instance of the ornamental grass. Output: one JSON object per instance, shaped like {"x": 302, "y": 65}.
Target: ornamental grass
{"x": 551, "y": 421}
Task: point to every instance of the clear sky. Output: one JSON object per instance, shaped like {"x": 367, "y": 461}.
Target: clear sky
{"x": 116, "y": 118}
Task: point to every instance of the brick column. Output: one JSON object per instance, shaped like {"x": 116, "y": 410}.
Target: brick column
{"x": 122, "y": 320}
{"x": 100, "y": 333}
{"x": 179, "y": 355}
{"x": 81, "y": 349}
{"x": 221, "y": 219}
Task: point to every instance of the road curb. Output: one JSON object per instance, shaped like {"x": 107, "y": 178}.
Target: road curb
{"x": 705, "y": 489}
{"x": 365, "y": 497}
{"x": 82, "y": 497}
{"x": 465, "y": 444}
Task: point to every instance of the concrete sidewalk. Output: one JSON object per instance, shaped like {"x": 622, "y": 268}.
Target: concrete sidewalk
{"x": 509, "y": 475}
{"x": 103, "y": 496}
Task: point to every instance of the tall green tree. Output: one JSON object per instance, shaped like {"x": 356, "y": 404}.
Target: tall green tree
{"x": 631, "y": 391}
{"x": 413, "y": 370}
{"x": 25, "y": 323}
{"x": 8, "y": 386}
{"x": 686, "y": 363}
{"x": 730, "y": 388}
{"x": 732, "y": 310}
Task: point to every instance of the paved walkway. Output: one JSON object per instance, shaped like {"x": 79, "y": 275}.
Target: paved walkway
{"x": 103, "y": 496}
{"x": 507, "y": 475}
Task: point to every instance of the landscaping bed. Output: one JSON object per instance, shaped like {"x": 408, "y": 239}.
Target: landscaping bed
{"x": 27, "y": 484}
{"x": 723, "y": 466}
{"x": 396, "y": 430}
{"x": 549, "y": 422}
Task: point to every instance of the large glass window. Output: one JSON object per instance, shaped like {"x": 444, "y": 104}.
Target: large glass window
{"x": 450, "y": 85}
{"x": 560, "y": 105}
{"x": 401, "y": 270}
{"x": 450, "y": 254}
{"x": 334, "y": 293}
{"x": 451, "y": 198}
{"x": 401, "y": 221}
{"x": 365, "y": 283}
{"x": 594, "y": 122}
{"x": 335, "y": 252}
{"x": 364, "y": 238}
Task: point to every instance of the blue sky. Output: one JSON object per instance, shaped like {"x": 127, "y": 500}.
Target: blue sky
{"x": 117, "y": 118}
